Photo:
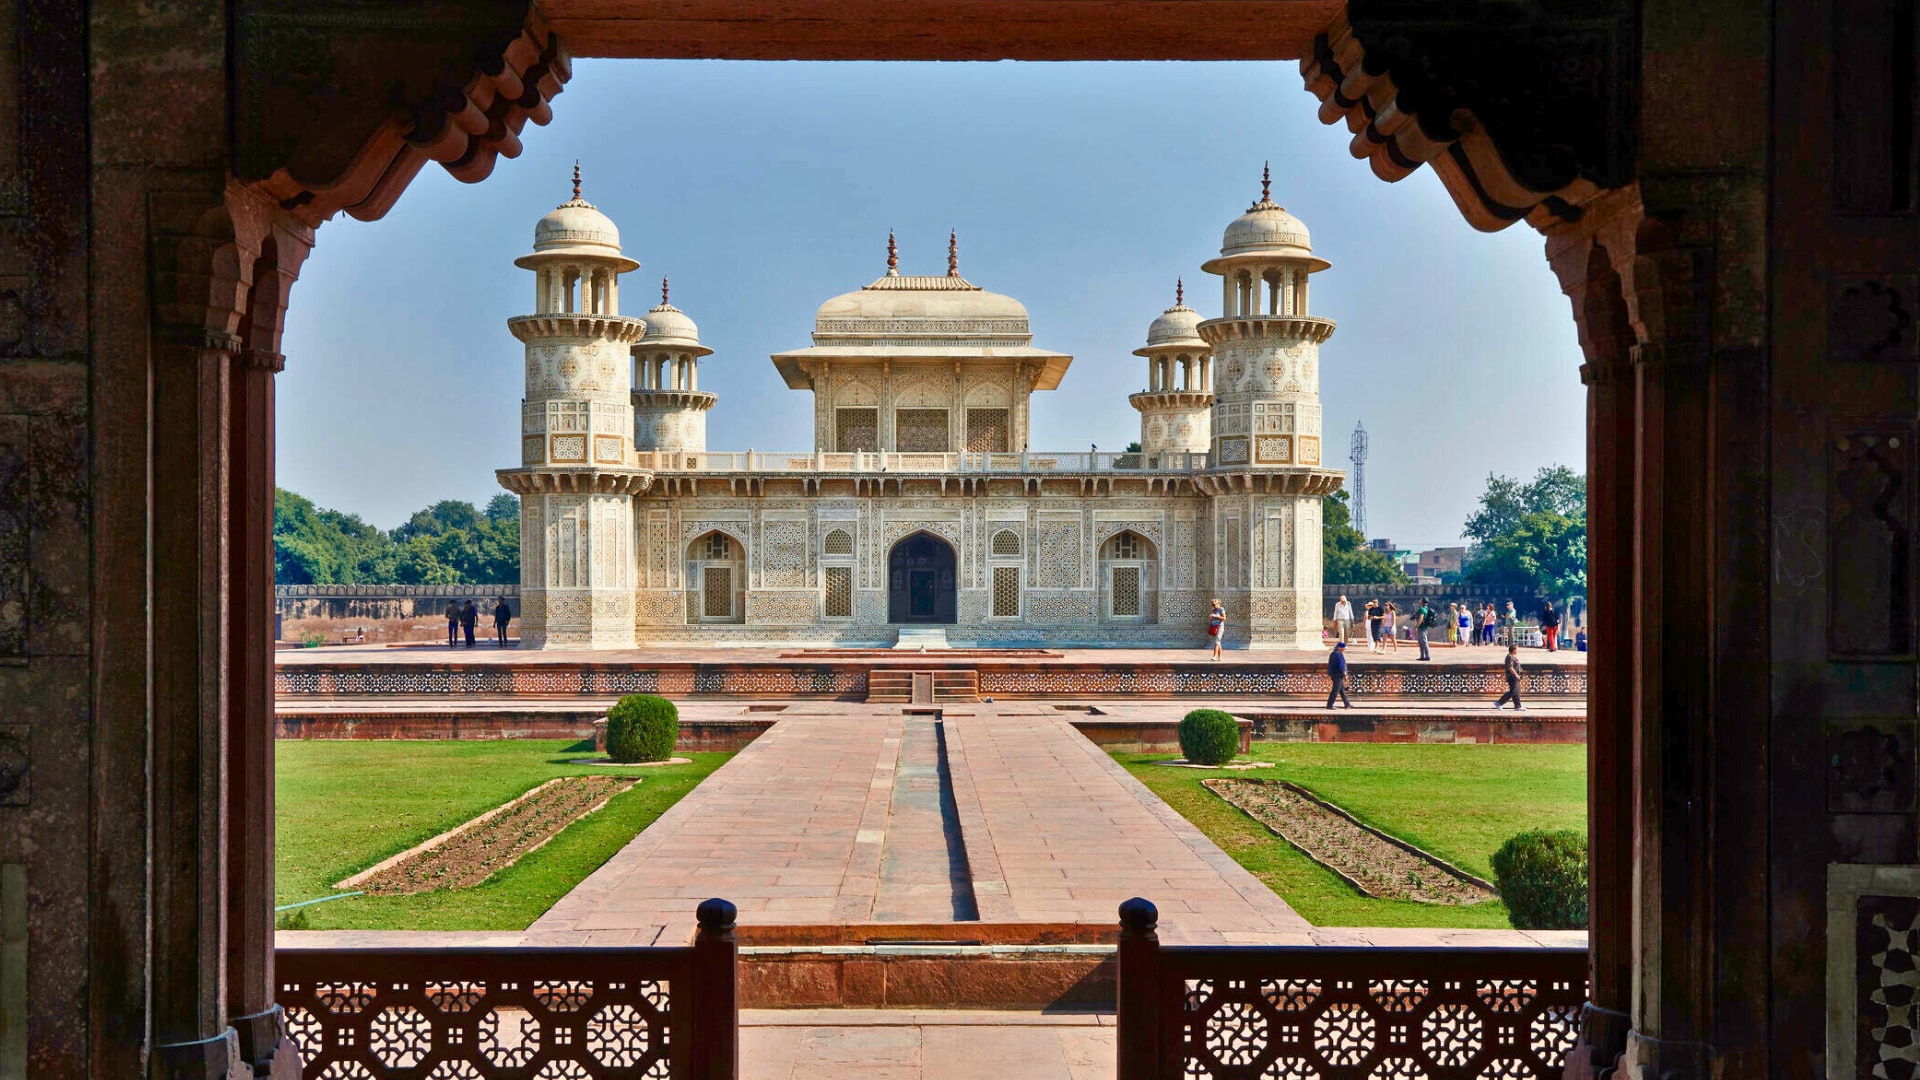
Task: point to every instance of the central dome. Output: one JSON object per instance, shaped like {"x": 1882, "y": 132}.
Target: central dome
{"x": 898, "y": 307}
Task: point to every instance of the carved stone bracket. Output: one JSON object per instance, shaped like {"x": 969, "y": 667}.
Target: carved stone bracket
{"x": 574, "y": 481}
{"x": 338, "y": 105}
{"x": 1522, "y": 110}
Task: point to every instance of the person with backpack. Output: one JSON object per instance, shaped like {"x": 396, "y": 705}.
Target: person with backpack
{"x": 1423, "y": 620}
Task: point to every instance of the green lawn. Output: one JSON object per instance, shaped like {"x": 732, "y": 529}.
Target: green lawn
{"x": 1458, "y": 802}
{"x": 344, "y": 805}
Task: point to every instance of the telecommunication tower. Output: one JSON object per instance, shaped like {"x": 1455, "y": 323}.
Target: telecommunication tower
{"x": 1357, "y": 453}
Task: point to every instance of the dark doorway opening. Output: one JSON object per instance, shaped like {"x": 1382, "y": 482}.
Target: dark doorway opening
{"x": 920, "y": 581}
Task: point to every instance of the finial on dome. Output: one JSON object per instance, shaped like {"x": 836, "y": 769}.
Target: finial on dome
{"x": 1266, "y": 182}
{"x": 893, "y": 256}
{"x": 1179, "y": 292}
{"x": 663, "y": 290}
{"x": 576, "y": 178}
{"x": 953, "y": 253}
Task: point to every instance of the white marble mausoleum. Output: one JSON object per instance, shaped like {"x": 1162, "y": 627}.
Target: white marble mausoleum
{"x": 924, "y": 500}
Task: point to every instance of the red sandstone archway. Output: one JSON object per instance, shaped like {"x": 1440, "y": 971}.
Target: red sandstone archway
{"x": 317, "y": 111}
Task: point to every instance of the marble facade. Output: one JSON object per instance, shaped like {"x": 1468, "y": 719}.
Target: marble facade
{"x": 921, "y": 500}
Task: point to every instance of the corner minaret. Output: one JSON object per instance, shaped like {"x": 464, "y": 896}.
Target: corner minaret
{"x": 1265, "y": 437}
{"x": 577, "y": 476}
{"x": 1174, "y": 408}
{"x": 669, "y": 408}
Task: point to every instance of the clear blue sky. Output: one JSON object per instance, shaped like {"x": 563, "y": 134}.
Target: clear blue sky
{"x": 1083, "y": 190}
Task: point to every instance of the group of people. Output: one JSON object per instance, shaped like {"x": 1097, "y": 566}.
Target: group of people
{"x": 462, "y": 618}
{"x": 1382, "y": 621}
{"x": 1465, "y": 624}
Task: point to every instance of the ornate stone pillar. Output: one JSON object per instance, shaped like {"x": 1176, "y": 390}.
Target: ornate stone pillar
{"x": 199, "y": 292}
{"x": 1585, "y": 259}
{"x": 250, "y": 729}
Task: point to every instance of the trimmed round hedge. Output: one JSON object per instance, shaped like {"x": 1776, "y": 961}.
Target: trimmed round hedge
{"x": 642, "y": 727}
{"x": 1209, "y": 737}
{"x": 1542, "y": 876}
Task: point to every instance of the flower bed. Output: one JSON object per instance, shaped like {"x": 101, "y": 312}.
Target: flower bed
{"x": 1375, "y": 865}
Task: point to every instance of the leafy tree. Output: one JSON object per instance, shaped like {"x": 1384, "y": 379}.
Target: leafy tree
{"x": 443, "y": 516}
{"x": 1553, "y": 490}
{"x": 1133, "y": 448}
{"x": 1344, "y": 553}
{"x": 449, "y": 542}
{"x": 504, "y": 509}
{"x": 1546, "y": 550}
{"x": 1534, "y": 532}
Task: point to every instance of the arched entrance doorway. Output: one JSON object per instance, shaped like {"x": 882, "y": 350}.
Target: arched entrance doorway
{"x": 920, "y": 580}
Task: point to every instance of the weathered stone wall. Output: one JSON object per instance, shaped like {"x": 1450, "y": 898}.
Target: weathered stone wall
{"x": 386, "y": 601}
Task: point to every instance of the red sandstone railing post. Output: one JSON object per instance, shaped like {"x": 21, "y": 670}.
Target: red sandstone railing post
{"x": 1137, "y": 992}
{"x": 716, "y": 993}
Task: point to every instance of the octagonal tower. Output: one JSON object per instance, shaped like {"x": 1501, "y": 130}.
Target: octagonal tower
{"x": 669, "y": 408}
{"x": 1175, "y": 407}
{"x": 1266, "y": 426}
{"x": 577, "y": 476}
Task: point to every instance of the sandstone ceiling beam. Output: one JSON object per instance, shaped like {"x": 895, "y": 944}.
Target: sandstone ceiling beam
{"x": 942, "y": 29}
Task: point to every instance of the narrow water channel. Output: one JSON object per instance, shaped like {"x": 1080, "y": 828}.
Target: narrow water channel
{"x": 923, "y": 865}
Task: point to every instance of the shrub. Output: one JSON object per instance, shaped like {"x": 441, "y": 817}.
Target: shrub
{"x": 1542, "y": 876}
{"x": 642, "y": 727}
{"x": 1209, "y": 737}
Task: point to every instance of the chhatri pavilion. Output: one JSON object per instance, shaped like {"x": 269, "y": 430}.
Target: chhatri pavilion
{"x": 924, "y": 504}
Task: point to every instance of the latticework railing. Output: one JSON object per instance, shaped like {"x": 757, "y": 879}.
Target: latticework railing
{"x": 513, "y": 1013}
{"x": 1311, "y": 1013}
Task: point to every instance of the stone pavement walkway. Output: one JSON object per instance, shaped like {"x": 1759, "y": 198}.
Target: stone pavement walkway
{"x": 797, "y": 829}
{"x": 875, "y": 1044}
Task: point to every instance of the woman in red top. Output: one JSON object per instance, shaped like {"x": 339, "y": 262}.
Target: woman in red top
{"x": 1217, "y": 626}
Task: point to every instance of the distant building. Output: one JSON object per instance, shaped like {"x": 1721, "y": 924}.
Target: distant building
{"x": 1437, "y": 561}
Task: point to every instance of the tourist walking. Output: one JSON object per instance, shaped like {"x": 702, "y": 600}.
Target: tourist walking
{"x": 1374, "y": 612}
{"x": 502, "y": 615}
{"x": 1342, "y": 620}
{"x": 469, "y": 615}
{"x": 1466, "y": 624}
{"x": 453, "y": 622}
{"x": 1487, "y": 622}
{"x": 1549, "y": 625}
{"x": 1386, "y": 627}
{"x": 1453, "y": 621}
{"x": 1337, "y": 674}
{"x": 1217, "y": 626}
{"x": 1423, "y": 620}
{"x": 1514, "y": 671}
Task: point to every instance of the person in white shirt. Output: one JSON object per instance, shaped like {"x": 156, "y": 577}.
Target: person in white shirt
{"x": 1342, "y": 620}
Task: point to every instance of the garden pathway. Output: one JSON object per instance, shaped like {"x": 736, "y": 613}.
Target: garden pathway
{"x": 798, "y": 827}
